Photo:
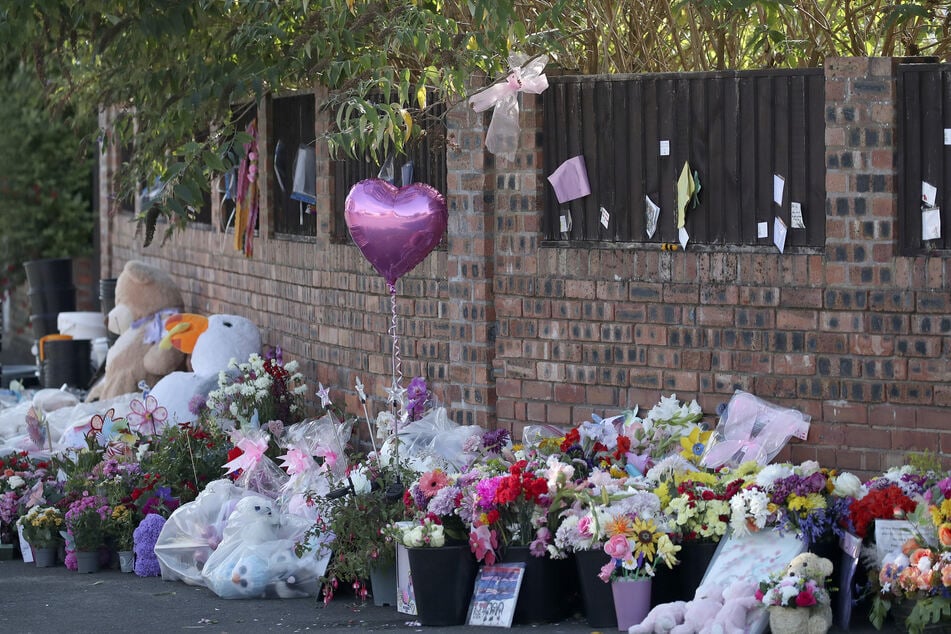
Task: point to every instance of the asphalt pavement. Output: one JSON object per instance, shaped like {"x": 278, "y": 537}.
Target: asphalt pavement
{"x": 56, "y": 600}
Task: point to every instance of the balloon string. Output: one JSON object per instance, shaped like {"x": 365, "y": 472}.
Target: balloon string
{"x": 397, "y": 361}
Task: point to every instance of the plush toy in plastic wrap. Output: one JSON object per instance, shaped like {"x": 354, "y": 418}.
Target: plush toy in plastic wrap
{"x": 752, "y": 429}
{"x": 195, "y": 530}
{"x": 212, "y": 342}
{"x": 431, "y": 442}
{"x": 257, "y": 559}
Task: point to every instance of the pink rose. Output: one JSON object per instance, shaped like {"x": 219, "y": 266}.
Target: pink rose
{"x": 584, "y": 527}
{"x": 805, "y": 599}
{"x": 606, "y": 570}
{"x": 618, "y": 547}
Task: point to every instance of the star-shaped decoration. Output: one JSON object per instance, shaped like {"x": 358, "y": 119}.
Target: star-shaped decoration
{"x": 360, "y": 392}
{"x": 324, "y": 395}
{"x": 396, "y": 395}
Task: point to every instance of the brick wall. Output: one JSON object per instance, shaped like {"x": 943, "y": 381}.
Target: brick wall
{"x": 512, "y": 334}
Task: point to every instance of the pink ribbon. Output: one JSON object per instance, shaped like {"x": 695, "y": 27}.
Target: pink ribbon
{"x": 752, "y": 430}
{"x": 502, "y": 136}
{"x": 253, "y": 449}
{"x": 297, "y": 461}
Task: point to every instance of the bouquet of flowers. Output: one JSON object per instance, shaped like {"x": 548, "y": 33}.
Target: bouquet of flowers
{"x": 41, "y": 526}
{"x": 86, "y": 521}
{"x": 635, "y": 545}
{"x": 792, "y": 591}
{"x": 436, "y": 497}
{"x": 921, "y": 574}
{"x": 121, "y": 523}
{"x": 509, "y": 510}
{"x": 260, "y": 389}
{"x": 698, "y": 502}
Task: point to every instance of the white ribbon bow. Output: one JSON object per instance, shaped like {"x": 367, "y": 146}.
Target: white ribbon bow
{"x": 502, "y": 136}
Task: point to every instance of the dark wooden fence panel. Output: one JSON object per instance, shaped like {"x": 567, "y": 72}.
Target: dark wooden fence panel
{"x": 924, "y": 113}
{"x": 736, "y": 130}
{"x": 429, "y": 166}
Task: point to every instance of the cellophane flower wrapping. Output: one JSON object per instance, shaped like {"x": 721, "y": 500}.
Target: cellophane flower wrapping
{"x": 194, "y": 530}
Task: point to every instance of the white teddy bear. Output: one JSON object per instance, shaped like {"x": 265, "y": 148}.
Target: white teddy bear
{"x": 227, "y": 337}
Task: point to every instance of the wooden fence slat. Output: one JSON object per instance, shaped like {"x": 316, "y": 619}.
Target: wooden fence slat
{"x": 736, "y": 129}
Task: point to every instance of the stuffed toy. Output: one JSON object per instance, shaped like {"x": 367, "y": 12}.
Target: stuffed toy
{"x": 213, "y": 343}
{"x": 699, "y": 612}
{"x": 661, "y": 619}
{"x": 143, "y": 539}
{"x": 811, "y": 566}
{"x": 740, "y": 609}
{"x": 145, "y": 297}
{"x": 256, "y": 557}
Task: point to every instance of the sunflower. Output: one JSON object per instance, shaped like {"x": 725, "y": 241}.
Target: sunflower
{"x": 694, "y": 444}
{"x": 645, "y": 538}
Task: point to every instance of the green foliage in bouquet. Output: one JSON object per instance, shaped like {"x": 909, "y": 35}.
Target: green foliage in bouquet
{"x": 41, "y": 526}
{"x": 121, "y": 525}
{"x": 359, "y": 521}
{"x": 187, "y": 457}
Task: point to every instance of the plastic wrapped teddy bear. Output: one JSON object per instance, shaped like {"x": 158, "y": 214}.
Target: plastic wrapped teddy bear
{"x": 256, "y": 557}
{"x": 145, "y": 297}
{"x": 661, "y": 619}
{"x": 212, "y": 343}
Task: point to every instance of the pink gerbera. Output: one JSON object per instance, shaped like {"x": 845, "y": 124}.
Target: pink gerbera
{"x": 431, "y": 481}
{"x": 146, "y": 417}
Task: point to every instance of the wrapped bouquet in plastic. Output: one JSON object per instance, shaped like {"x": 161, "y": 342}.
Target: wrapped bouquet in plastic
{"x": 753, "y": 429}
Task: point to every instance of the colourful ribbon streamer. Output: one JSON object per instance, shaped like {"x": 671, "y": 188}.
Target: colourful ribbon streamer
{"x": 154, "y": 324}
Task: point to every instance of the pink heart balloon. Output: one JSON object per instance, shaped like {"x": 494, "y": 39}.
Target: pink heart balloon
{"x": 395, "y": 227}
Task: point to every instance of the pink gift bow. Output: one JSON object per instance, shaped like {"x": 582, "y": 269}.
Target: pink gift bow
{"x": 297, "y": 461}
{"x": 253, "y": 449}
{"x": 502, "y": 136}
{"x": 743, "y": 412}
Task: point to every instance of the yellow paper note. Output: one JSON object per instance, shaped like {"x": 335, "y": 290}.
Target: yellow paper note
{"x": 684, "y": 192}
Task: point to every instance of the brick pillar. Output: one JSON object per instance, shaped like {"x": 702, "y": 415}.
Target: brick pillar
{"x": 861, "y": 192}
{"x": 470, "y": 269}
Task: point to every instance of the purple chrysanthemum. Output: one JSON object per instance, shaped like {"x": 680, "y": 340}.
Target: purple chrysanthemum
{"x": 144, "y": 538}
{"x": 494, "y": 441}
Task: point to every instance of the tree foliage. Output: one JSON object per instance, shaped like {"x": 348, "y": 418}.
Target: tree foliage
{"x": 174, "y": 73}
{"x": 46, "y": 177}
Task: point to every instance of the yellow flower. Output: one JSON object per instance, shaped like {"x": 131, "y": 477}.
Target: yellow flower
{"x": 694, "y": 444}
{"x": 806, "y": 503}
{"x": 667, "y": 550}
{"x": 645, "y": 538}
{"x": 617, "y": 472}
{"x": 747, "y": 468}
{"x": 663, "y": 494}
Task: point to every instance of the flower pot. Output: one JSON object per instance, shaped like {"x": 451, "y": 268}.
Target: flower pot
{"x": 443, "y": 580}
{"x": 632, "y": 601}
{"x": 901, "y": 609}
{"x": 694, "y": 558}
{"x": 87, "y": 561}
{"x": 596, "y": 595}
{"x": 6, "y": 552}
{"x": 548, "y": 587}
{"x": 788, "y": 620}
{"x": 45, "y": 557}
{"x": 383, "y": 583}
{"x": 126, "y": 560}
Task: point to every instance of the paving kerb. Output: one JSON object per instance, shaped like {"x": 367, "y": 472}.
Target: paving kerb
{"x": 54, "y": 600}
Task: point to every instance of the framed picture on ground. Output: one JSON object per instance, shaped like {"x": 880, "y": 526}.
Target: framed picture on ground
{"x": 752, "y": 557}
{"x": 495, "y": 594}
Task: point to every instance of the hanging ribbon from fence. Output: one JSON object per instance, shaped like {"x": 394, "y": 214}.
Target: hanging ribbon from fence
{"x": 526, "y": 76}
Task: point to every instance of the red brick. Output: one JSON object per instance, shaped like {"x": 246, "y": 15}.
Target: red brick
{"x": 569, "y": 393}
{"x": 864, "y": 436}
{"x": 787, "y": 319}
{"x": 715, "y": 316}
{"x": 844, "y": 412}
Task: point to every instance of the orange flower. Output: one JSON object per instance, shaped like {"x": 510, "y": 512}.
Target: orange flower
{"x": 944, "y": 534}
{"x": 910, "y": 546}
{"x": 946, "y": 576}
{"x": 920, "y": 554}
{"x": 908, "y": 578}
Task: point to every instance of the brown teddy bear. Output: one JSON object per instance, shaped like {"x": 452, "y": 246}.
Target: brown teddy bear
{"x": 145, "y": 297}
